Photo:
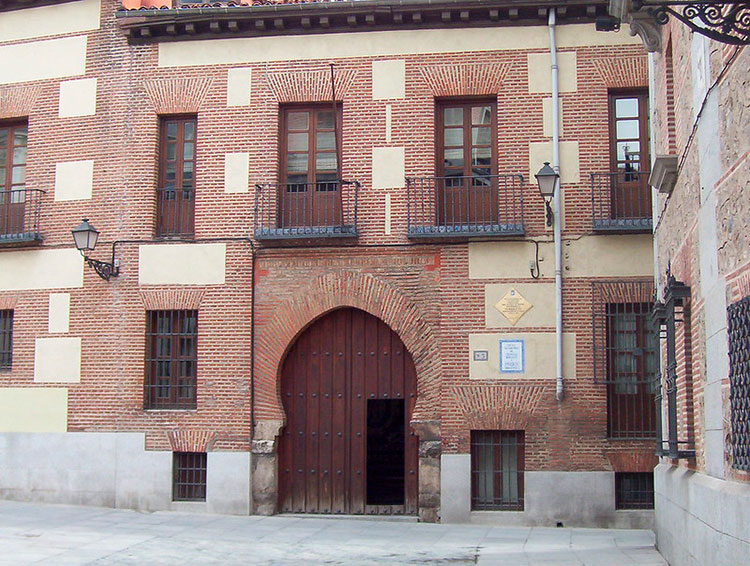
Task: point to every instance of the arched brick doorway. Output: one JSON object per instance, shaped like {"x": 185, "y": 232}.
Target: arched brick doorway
{"x": 349, "y": 387}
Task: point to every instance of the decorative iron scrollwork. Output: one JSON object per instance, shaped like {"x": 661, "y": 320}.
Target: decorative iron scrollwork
{"x": 727, "y": 22}
{"x": 103, "y": 269}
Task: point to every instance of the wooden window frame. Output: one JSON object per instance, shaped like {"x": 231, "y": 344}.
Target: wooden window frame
{"x": 13, "y": 197}
{"x": 465, "y": 103}
{"x": 174, "y": 383}
{"x": 189, "y": 470}
{"x": 643, "y": 124}
{"x": 6, "y": 339}
{"x": 312, "y": 151}
{"x": 175, "y": 212}
{"x": 498, "y": 439}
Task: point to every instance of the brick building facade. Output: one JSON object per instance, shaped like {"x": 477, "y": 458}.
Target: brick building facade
{"x": 699, "y": 130}
{"x": 257, "y": 223}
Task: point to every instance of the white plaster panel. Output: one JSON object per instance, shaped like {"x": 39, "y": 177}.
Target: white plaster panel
{"x": 38, "y": 60}
{"x": 41, "y": 269}
{"x": 388, "y": 167}
{"x": 59, "y": 313}
{"x": 69, "y": 17}
{"x": 239, "y": 86}
{"x": 717, "y": 356}
{"x": 143, "y": 477}
{"x": 74, "y": 180}
{"x": 455, "y": 488}
{"x": 701, "y": 520}
{"x": 540, "y": 72}
{"x": 181, "y": 264}
{"x": 539, "y": 358}
{"x": 236, "y": 172}
{"x": 590, "y": 256}
{"x": 547, "y": 116}
{"x": 573, "y": 498}
{"x": 33, "y": 409}
{"x": 77, "y": 98}
{"x": 228, "y": 485}
{"x": 381, "y": 43}
{"x": 57, "y": 360}
{"x": 539, "y": 152}
{"x": 388, "y": 79}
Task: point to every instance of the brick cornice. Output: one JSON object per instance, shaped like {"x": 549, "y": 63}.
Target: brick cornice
{"x": 258, "y": 18}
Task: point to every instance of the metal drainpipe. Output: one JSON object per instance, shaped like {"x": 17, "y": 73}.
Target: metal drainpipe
{"x": 559, "y": 389}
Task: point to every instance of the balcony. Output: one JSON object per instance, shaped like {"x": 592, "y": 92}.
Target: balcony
{"x": 621, "y": 202}
{"x": 175, "y": 213}
{"x": 465, "y": 207}
{"x": 19, "y": 216}
{"x": 310, "y": 211}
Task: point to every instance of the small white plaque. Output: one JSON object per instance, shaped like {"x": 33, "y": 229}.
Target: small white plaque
{"x": 511, "y": 356}
{"x": 481, "y": 355}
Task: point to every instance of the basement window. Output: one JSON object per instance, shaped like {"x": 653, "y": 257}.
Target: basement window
{"x": 634, "y": 490}
{"x": 189, "y": 476}
{"x": 497, "y": 466}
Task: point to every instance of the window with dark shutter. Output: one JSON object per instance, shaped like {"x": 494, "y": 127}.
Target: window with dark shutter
{"x": 175, "y": 211}
{"x": 171, "y": 357}
{"x": 6, "y": 339}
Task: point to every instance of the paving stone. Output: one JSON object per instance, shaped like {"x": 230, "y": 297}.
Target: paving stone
{"x": 80, "y": 536}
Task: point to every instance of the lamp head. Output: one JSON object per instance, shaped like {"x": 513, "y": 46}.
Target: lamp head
{"x": 85, "y": 236}
{"x": 547, "y": 181}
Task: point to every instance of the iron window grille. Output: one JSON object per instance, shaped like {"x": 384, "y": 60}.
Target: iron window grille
{"x": 175, "y": 195}
{"x": 171, "y": 359}
{"x": 673, "y": 317}
{"x": 497, "y": 470}
{"x": 6, "y": 339}
{"x": 626, "y": 356}
{"x": 739, "y": 381}
{"x": 634, "y": 490}
{"x": 189, "y": 476}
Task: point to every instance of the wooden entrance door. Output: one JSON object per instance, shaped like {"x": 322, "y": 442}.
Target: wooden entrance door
{"x": 348, "y": 386}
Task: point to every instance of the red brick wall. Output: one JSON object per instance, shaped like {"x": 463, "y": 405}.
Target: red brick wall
{"x": 422, "y": 291}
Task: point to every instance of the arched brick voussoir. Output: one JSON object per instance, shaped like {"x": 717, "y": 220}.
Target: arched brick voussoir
{"x": 337, "y": 290}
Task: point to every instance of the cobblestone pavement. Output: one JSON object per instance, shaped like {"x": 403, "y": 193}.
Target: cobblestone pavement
{"x": 62, "y": 535}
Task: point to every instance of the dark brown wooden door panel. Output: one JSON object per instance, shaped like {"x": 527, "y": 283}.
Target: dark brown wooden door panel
{"x": 340, "y": 362}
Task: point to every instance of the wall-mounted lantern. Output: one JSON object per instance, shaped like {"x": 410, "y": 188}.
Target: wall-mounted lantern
{"x": 547, "y": 181}
{"x": 85, "y": 237}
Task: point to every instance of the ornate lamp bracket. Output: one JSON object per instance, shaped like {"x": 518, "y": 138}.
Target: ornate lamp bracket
{"x": 103, "y": 269}
{"x": 726, "y": 22}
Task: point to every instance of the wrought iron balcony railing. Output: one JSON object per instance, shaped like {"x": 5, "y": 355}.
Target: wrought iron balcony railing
{"x": 19, "y": 216}
{"x": 486, "y": 205}
{"x": 175, "y": 213}
{"x": 621, "y": 201}
{"x": 325, "y": 209}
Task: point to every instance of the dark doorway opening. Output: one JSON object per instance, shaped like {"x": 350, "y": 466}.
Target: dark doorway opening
{"x": 385, "y": 451}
